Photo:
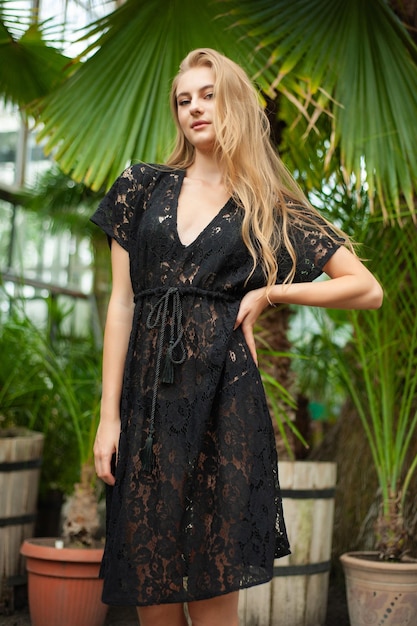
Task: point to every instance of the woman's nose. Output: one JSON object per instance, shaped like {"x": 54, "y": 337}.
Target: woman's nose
{"x": 195, "y": 107}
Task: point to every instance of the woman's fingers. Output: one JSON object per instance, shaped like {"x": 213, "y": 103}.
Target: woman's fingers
{"x": 105, "y": 446}
{"x": 103, "y": 463}
{"x": 247, "y": 330}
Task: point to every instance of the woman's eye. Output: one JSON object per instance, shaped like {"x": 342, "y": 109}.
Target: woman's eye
{"x": 182, "y": 102}
{"x": 209, "y": 96}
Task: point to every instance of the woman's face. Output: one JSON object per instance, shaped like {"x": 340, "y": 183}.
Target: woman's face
{"x": 195, "y": 107}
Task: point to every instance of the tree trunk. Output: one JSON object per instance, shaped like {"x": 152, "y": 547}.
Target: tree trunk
{"x": 272, "y": 338}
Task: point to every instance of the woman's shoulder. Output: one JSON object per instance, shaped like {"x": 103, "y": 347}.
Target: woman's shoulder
{"x": 142, "y": 169}
{"x": 142, "y": 175}
{"x": 303, "y": 216}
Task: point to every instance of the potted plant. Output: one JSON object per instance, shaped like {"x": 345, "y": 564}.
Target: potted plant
{"x": 66, "y": 406}
{"x": 22, "y": 386}
{"x": 65, "y": 569}
{"x": 35, "y": 436}
{"x": 379, "y": 370}
{"x": 49, "y": 398}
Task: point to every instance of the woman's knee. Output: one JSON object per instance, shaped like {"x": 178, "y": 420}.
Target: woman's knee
{"x": 218, "y": 611}
{"x": 162, "y": 615}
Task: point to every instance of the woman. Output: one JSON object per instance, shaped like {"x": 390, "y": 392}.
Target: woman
{"x": 200, "y": 247}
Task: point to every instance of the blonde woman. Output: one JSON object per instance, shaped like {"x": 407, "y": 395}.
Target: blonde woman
{"x": 200, "y": 247}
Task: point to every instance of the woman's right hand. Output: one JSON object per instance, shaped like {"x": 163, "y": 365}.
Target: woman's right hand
{"x": 105, "y": 445}
{"x": 116, "y": 340}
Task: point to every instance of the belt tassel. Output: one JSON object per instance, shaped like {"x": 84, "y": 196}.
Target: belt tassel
{"x": 147, "y": 455}
{"x": 159, "y": 317}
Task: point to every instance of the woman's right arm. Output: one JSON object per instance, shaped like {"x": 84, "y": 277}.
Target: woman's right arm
{"x": 116, "y": 340}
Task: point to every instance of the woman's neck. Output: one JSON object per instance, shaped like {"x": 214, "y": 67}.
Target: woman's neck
{"x": 206, "y": 168}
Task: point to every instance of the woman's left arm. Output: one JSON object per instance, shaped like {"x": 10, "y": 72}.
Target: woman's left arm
{"x": 352, "y": 286}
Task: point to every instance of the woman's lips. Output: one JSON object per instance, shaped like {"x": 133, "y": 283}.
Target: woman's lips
{"x": 199, "y": 124}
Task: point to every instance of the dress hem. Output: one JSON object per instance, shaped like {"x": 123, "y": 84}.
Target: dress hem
{"x": 207, "y": 596}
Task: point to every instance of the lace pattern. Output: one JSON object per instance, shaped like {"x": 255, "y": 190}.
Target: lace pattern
{"x": 204, "y": 516}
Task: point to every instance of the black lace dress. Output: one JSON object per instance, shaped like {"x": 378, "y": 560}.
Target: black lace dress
{"x": 196, "y": 509}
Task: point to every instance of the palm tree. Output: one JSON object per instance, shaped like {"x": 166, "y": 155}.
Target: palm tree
{"x": 338, "y": 79}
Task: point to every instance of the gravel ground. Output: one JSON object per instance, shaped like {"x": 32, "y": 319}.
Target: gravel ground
{"x": 337, "y": 614}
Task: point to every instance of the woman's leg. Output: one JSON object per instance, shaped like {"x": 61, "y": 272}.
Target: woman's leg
{"x": 219, "y": 611}
{"x": 162, "y": 615}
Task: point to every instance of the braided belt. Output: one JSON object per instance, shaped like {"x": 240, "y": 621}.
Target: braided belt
{"x": 168, "y": 307}
{"x": 166, "y": 314}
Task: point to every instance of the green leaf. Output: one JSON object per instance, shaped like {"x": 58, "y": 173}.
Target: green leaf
{"x": 114, "y": 109}
{"x": 29, "y": 67}
{"x": 363, "y": 58}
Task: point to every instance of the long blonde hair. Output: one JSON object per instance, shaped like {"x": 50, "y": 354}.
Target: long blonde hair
{"x": 253, "y": 172}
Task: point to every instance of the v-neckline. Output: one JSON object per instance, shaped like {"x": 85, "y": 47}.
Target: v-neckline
{"x": 180, "y": 181}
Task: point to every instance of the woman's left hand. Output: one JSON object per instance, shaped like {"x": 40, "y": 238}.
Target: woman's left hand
{"x": 251, "y": 306}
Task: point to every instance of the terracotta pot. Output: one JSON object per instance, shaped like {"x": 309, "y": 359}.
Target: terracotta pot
{"x": 63, "y": 584}
{"x": 380, "y": 592}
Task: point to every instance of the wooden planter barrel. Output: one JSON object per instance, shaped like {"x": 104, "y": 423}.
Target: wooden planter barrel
{"x": 297, "y": 595}
{"x": 20, "y": 461}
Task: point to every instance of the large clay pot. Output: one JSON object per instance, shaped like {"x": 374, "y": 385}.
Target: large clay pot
{"x": 63, "y": 584}
{"x": 380, "y": 592}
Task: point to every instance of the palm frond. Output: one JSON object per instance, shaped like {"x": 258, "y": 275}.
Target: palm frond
{"x": 57, "y": 197}
{"x": 355, "y": 60}
{"x": 30, "y": 67}
{"x": 380, "y": 367}
{"x": 114, "y": 109}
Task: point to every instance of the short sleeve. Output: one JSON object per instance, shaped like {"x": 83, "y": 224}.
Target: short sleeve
{"x": 124, "y": 199}
{"x": 314, "y": 243}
